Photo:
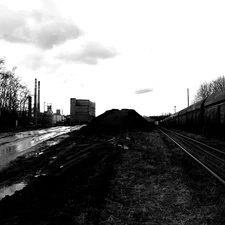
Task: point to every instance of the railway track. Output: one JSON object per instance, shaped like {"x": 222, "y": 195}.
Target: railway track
{"x": 212, "y": 159}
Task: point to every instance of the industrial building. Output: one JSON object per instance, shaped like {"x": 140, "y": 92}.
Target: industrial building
{"x": 81, "y": 111}
{"x": 58, "y": 118}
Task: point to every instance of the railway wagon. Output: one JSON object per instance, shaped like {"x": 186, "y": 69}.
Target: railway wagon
{"x": 195, "y": 115}
{"x": 171, "y": 120}
{"x": 183, "y": 117}
{"x": 214, "y": 111}
{"x": 190, "y": 117}
{"x": 208, "y": 114}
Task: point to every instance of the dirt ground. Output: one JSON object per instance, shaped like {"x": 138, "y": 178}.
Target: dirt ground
{"x": 137, "y": 177}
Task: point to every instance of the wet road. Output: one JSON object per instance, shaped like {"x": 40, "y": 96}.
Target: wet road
{"x": 13, "y": 145}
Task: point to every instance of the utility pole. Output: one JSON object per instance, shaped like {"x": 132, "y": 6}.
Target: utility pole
{"x": 188, "y": 96}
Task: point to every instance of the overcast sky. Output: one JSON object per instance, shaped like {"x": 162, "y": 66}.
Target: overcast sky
{"x": 138, "y": 54}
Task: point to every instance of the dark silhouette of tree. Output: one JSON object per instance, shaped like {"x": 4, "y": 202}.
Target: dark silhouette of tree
{"x": 208, "y": 88}
{"x": 13, "y": 96}
{"x": 218, "y": 84}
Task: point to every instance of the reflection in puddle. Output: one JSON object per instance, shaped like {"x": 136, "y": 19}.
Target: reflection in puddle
{"x": 11, "y": 189}
{"x": 17, "y": 144}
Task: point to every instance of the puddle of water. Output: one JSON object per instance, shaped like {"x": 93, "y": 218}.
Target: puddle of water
{"x": 8, "y": 191}
{"x": 37, "y": 137}
{"x": 17, "y": 144}
{"x": 13, "y": 145}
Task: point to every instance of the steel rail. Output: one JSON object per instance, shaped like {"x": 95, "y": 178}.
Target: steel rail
{"x": 217, "y": 161}
{"x": 199, "y": 147}
{"x": 217, "y": 150}
{"x": 197, "y": 160}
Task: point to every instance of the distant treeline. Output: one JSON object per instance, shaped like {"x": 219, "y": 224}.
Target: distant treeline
{"x": 13, "y": 98}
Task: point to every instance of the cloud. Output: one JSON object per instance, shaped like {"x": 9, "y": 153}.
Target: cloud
{"x": 36, "y": 61}
{"x": 143, "y": 91}
{"x": 90, "y": 54}
{"x": 54, "y": 33}
{"x": 42, "y": 30}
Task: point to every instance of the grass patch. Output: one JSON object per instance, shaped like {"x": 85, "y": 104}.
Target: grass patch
{"x": 153, "y": 186}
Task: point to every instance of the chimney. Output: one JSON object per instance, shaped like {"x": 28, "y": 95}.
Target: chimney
{"x": 38, "y": 104}
{"x": 35, "y": 101}
{"x": 29, "y": 106}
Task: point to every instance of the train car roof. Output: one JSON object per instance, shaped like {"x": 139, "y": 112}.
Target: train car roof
{"x": 175, "y": 114}
{"x": 195, "y": 106}
{"x": 218, "y": 97}
{"x": 171, "y": 116}
{"x": 183, "y": 111}
{"x": 192, "y": 107}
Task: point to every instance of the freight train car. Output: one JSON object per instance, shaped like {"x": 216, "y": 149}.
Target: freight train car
{"x": 171, "y": 121}
{"x": 208, "y": 114}
{"x": 214, "y": 111}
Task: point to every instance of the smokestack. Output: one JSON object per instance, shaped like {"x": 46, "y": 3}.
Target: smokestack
{"x": 29, "y": 106}
{"x": 38, "y": 105}
{"x": 35, "y": 101}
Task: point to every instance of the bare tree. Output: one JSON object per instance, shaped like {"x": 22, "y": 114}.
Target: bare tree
{"x": 218, "y": 84}
{"x": 203, "y": 92}
{"x": 13, "y": 94}
{"x": 209, "y": 88}
{"x": 23, "y": 95}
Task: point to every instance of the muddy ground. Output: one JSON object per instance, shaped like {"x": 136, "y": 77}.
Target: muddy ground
{"x": 137, "y": 177}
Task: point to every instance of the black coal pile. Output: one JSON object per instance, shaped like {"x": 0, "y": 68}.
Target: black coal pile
{"x": 115, "y": 120}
